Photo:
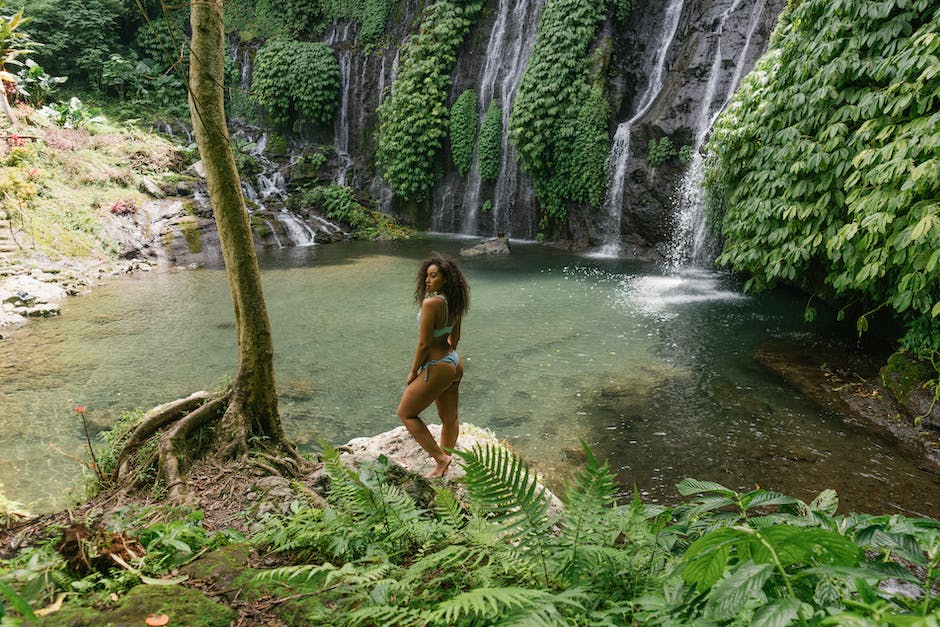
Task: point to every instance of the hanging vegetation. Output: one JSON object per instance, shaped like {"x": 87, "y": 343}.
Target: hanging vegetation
{"x": 545, "y": 121}
{"x": 298, "y": 82}
{"x": 414, "y": 118}
{"x": 463, "y": 130}
{"x": 825, "y": 168}
{"x": 490, "y": 144}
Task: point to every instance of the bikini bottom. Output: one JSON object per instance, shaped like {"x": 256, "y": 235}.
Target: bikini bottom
{"x": 450, "y": 358}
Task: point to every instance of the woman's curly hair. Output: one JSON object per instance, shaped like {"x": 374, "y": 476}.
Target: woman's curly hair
{"x": 455, "y": 289}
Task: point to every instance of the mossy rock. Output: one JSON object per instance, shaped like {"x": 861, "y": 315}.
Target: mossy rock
{"x": 222, "y": 567}
{"x": 184, "y": 606}
{"x": 909, "y": 381}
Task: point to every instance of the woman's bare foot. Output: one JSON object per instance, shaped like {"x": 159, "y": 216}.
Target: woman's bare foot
{"x": 441, "y": 469}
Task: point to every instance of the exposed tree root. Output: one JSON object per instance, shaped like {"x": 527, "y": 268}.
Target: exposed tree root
{"x": 173, "y": 428}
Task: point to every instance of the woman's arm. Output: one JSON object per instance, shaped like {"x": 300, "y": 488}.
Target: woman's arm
{"x": 429, "y": 311}
{"x": 454, "y": 336}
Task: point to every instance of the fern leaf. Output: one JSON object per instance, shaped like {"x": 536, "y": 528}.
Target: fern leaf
{"x": 588, "y": 505}
{"x": 501, "y": 483}
{"x": 383, "y": 615}
{"x": 482, "y": 603}
{"x": 447, "y": 508}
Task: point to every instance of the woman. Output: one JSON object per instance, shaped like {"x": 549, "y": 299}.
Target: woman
{"x": 444, "y": 296}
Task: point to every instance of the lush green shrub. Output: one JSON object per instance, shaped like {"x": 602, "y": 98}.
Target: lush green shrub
{"x": 588, "y": 169}
{"x": 372, "y": 15}
{"x": 414, "y": 118}
{"x": 544, "y": 123}
{"x": 686, "y": 153}
{"x": 823, "y": 168}
{"x": 463, "y": 130}
{"x": 298, "y": 82}
{"x": 490, "y": 144}
{"x": 622, "y": 9}
{"x": 375, "y": 556}
{"x": 79, "y": 36}
{"x": 339, "y": 203}
{"x": 660, "y": 151}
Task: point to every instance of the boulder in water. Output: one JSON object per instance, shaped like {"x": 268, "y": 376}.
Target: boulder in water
{"x": 497, "y": 246}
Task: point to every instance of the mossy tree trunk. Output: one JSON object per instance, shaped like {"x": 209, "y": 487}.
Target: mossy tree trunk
{"x": 252, "y": 408}
{"x": 248, "y": 408}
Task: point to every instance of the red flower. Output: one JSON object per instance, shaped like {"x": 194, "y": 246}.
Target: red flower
{"x": 80, "y": 409}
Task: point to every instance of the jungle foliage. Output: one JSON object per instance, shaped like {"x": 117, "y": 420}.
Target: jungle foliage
{"x": 557, "y": 113}
{"x": 135, "y": 52}
{"x": 375, "y": 557}
{"x": 824, "y": 170}
{"x": 297, "y": 82}
{"x": 490, "y": 144}
{"x": 463, "y": 130}
{"x": 414, "y": 119}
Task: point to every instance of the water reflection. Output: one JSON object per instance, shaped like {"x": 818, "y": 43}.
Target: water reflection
{"x": 655, "y": 372}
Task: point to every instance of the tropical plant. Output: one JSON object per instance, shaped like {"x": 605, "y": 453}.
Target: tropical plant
{"x": 463, "y": 130}
{"x": 556, "y": 112}
{"x": 414, "y": 118}
{"x": 298, "y": 82}
{"x": 374, "y": 556}
{"x": 822, "y": 171}
{"x": 660, "y": 151}
{"x": 490, "y": 144}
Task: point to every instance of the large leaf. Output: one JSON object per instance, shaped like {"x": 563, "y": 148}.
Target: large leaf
{"x": 706, "y": 559}
{"x": 778, "y": 613}
{"x": 730, "y": 595}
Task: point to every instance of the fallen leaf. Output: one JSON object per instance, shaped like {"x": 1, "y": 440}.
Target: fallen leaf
{"x": 155, "y": 620}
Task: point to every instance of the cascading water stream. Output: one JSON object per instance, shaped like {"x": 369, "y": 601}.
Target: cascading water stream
{"x": 507, "y": 55}
{"x": 345, "y": 37}
{"x": 691, "y": 245}
{"x": 620, "y": 150}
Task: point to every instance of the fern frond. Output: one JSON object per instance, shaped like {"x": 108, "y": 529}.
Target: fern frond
{"x": 589, "y": 516}
{"x": 303, "y": 572}
{"x": 383, "y": 615}
{"x": 503, "y": 486}
{"x": 347, "y": 492}
{"x": 448, "y": 510}
{"x": 491, "y": 603}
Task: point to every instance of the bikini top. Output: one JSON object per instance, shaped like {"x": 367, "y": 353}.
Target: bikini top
{"x": 446, "y": 329}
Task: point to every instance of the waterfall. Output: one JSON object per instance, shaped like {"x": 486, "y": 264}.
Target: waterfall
{"x": 507, "y": 55}
{"x": 690, "y": 243}
{"x": 620, "y": 150}
{"x": 299, "y": 231}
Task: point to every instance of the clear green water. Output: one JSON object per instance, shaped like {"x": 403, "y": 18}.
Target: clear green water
{"x": 654, "y": 372}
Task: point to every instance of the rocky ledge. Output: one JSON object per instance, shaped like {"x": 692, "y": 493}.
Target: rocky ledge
{"x": 890, "y": 400}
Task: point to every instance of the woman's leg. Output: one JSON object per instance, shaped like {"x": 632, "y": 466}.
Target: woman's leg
{"x": 417, "y": 397}
{"x": 447, "y": 410}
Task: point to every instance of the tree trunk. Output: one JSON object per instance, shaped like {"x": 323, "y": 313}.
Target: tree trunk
{"x": 252, "y": 409}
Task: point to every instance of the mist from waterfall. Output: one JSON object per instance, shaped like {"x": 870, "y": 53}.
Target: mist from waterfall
{"x": 691, "y": 244}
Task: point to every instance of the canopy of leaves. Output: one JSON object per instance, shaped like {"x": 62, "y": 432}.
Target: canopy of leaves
{"x": 298, "y": 82}
{"x": 463, "y": 130}
{"x": 825, "y": 167}
{"x": 414, "y": 118}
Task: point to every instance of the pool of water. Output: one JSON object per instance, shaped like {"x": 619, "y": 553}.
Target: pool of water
{"x": 654, "y": 371}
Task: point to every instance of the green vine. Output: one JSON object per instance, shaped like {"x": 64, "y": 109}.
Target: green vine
{"x": 547, "y": 116}
{"x": 414, "y": 118}
{"x": 825, "y": 164}
{"x": 298, "y": 82}
{"x": 489, "y": 146}
{"x": 463, "y": 130}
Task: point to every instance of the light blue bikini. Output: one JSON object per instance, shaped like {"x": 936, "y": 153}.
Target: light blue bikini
{"x": 451, "y": 357}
